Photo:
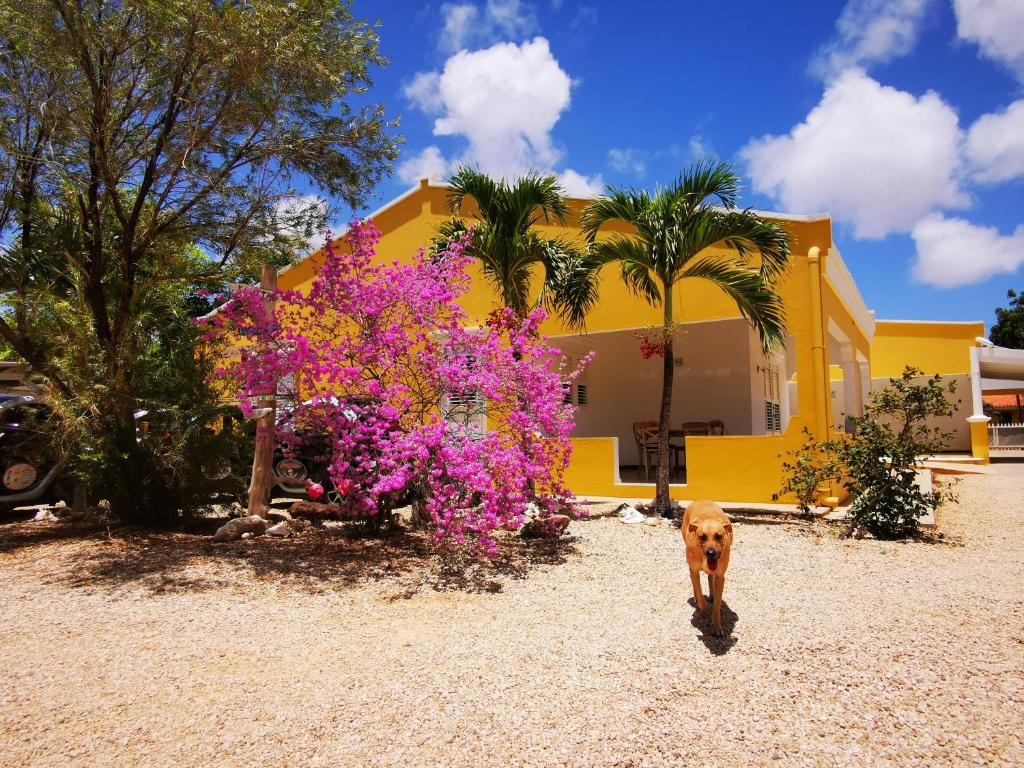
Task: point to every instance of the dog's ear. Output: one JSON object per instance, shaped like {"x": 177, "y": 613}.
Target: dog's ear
{"x": 692, "y": 527}
{"x": 728, "y": 528}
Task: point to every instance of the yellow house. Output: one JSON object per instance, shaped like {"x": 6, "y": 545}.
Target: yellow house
{"x": 836, "y": 353}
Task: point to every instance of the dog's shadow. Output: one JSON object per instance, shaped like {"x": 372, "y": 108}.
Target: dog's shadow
{"x": 719, "y": 646}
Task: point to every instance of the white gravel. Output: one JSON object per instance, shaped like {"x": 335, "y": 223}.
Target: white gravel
{"x": 163, "y": 650}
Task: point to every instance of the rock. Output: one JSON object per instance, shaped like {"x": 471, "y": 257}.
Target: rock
{"x": 246, "y": 535}
{"x": 545, "y": 527}
{"x": 630, "y": 514}
{"x": 279, "y": 515}
{"x": 279, "y": 529}
{"x": 233, "y": 530}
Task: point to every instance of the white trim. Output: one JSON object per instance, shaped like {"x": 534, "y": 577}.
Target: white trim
{"x": 977, "y": 402}
{"x": 842, "y": 282}
{"x": 929, "y": 322}
{"x": 407, "y": 194}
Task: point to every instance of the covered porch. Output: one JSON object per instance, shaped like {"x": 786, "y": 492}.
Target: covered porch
{"x": 724, "y": 386}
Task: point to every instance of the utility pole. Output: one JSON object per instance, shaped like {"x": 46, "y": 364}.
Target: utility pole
{"x": 263, "y": 457}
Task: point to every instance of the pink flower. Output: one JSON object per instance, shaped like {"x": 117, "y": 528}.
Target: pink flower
{"x": 386, "y": 366}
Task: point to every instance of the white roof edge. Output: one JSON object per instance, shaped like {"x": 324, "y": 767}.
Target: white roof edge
{"x": 931, "y": 322}
{"x": 338, "y": 235}
{"x": 820, "y": 216}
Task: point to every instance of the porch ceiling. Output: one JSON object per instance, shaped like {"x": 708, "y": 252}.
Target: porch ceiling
{"x": 1001, "y": 369}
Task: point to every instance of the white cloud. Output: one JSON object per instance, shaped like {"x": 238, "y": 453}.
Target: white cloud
{"x": 997, "y": 26}
{"x": 870, "y": 31}
{"x": 954, "y": 252}
{"x": 576, "y": 184}
{"x": 700, "y": 147}
{"x": 504, "y": 100}
{"x": 874, "y": 156}
{"x": 425, "y": 92}
{"x": 428, "y": 164}
{"x": 995, "y": 145}
{"x": 469, "y": 25}
{"x": 628, "y": 160}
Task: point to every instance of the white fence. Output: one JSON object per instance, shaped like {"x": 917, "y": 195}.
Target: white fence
{"x": 1006, "y": 436}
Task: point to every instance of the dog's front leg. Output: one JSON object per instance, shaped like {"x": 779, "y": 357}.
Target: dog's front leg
{"x": 698, "y": 596}
{"x": 716, "y": 613}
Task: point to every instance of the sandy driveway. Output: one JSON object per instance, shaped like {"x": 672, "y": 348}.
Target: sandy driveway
{"x": 166, "y": 651}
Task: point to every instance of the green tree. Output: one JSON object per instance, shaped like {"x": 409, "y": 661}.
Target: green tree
{"x": 506, "y": 242}
{"x": 167, "y": 138}
{"x": 673, "y": 228}
{"x": 879, "y": 461}
{"x": 1009, "y": 328}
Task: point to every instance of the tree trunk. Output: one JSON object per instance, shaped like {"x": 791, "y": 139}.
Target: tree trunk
{"x": 263, "y": 457}
{"x": 662, "y": 501}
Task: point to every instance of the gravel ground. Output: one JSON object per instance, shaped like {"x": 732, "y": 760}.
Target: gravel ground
{"x": 338, "y": 651}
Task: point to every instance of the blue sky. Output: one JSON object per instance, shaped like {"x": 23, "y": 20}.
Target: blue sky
{"x": 903, "y": 118}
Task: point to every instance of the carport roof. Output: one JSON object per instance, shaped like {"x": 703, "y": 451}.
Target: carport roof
{"x": 1002, "y": 369}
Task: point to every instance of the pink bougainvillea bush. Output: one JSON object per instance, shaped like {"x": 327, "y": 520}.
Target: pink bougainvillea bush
{"x": 467, "y": 423}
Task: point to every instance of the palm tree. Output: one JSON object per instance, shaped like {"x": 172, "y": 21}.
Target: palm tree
{"x": 673, "y": 229}
{"x": 506, "y": 243}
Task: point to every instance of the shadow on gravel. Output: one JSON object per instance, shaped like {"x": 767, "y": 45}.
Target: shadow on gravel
{"x": 317, "y": 560}
{"x": 21, "y": 533}
{"x": 515, "y": 561}
{"x": 719, "y": 646}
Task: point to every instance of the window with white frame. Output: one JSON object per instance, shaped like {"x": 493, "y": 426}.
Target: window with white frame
{"x": 466, "y": 407}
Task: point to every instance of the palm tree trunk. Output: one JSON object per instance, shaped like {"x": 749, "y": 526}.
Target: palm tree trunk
{"x": 662, "y": 501}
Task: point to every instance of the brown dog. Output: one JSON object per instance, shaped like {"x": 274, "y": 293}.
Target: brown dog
{"x": 708, "y": 536}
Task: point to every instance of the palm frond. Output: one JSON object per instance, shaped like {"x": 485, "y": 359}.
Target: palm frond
{"x": 532, "y": 198}
{"x": 706, "y": 180}
{"x": 741, "y": 231}
{"x": 757, "y": 301}
{"x": 570, "y": 287}
{"x": 628, "y": 206}
{"x": 469, "y": 182}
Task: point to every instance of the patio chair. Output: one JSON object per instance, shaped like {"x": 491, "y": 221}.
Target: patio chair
{"x": 645, "y": 433}
{"x": 695, "y": 428}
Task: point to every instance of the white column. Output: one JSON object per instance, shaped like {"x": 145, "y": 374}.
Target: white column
{"x": 865, "y": 384}
{"x": 976, "y": 399}
{"x": 852, "y": 382}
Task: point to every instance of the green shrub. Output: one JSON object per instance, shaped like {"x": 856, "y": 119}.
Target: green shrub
{"x": 878, "y": 461}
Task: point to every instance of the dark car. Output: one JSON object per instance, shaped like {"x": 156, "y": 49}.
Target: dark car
{"x": 30, "y": 468}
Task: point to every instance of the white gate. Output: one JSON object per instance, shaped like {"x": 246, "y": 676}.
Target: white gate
{"x": 1006, "y": 436}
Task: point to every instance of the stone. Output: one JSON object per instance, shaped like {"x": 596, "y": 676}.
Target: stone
{"x": 630, "y": 514}
{"x": 279, "y": 515}
{"x": 545, "y": 527}
{"x": 279, "y": 529}
{"x": 232, "y": 530}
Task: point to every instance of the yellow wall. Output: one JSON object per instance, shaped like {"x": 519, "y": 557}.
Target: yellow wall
{"x": 931, "y": 346}
{"x": 725, "y": 468}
